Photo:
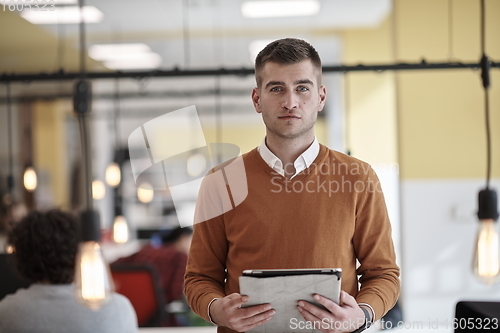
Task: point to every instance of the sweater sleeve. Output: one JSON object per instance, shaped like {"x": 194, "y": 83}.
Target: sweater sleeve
{"x": 379, "y": 273}
{"x": 206, "y": 266}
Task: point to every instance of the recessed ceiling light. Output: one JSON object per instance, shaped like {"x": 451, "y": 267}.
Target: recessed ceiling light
{"x": 111, "y": 51}
{"x": 66, "y": 15}
{"x": 135, "y": 61}
{"x": 259, "y": 9}
{"x": 125, "y": 56}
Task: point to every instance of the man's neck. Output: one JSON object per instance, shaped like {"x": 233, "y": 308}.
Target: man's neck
{"x": 288, "y": 150}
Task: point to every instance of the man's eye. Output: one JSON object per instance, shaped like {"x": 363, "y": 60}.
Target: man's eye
{"x": 302, "y": 89}
{"x": 275, "y": 89}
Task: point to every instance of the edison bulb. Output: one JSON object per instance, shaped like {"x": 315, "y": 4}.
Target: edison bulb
{"x": 485, "y": 264}
{"x": 30, "y": 179}
{"x": 98, "y": 190}
{"x": 120, "y": 230}
{"x": 113, "y": 174}
{"x": 93, "y": 285}
{"x": 145, "y": 193}
{"x": 196, "y": 164}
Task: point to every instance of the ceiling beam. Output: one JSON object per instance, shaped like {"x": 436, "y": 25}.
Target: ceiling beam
{"x": 176, "y": 72}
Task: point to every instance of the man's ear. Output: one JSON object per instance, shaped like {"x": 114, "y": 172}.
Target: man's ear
{"x": 256, "y": 99}
{"x": 322, "y": 98}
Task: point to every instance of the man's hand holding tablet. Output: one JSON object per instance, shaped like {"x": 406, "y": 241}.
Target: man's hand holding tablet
{"x": 346, "y": 317}
{"x": 228, "y": 311}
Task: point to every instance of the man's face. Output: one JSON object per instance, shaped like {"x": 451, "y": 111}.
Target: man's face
{"x": 289, "y": 98}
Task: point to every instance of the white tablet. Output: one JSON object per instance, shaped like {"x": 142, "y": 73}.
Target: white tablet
{"x": 283, "y": 288}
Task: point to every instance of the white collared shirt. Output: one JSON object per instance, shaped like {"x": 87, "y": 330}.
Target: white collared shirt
{"x": 301, "y": 163}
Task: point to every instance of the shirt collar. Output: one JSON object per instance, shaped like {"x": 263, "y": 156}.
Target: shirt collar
{"x": 301, "y": 163}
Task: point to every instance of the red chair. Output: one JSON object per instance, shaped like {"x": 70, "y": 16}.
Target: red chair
{"x": 140, "y": 283}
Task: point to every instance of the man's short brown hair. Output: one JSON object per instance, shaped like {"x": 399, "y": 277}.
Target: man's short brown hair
{"x": 287, "y": 51}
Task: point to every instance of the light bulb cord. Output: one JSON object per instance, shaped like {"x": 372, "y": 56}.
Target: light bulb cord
{"x": 488, "y": 138}
{"x": 87, "y": 172}
{"x": 483, "y": 28}
{"x": 485, "y": 75}
{"x": 10, "y": 177}
{"x": 116, "y": 116}
{"x": 83, "y": 51}
{"x": 82, "y": 119}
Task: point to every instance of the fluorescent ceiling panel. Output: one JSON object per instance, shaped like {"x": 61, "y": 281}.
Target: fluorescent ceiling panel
{"x": 66, "y": 14}
{"x": 290, "y": 8}
{"x": 112, "y": 51}
{"x": 135, "y": 61}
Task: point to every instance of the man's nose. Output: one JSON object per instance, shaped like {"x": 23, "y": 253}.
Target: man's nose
{"x": 289, "y": 100}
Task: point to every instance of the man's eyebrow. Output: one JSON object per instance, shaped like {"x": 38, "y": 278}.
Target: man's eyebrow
{"x": 280, "y": 83}
{"x": 304, "y": 81}
{"x": 274, "y": 83}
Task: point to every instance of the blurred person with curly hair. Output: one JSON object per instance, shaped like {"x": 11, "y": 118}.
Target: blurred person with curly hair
{"x": 45, "y": 246}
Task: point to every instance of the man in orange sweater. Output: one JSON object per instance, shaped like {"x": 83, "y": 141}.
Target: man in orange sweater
{"x": 307, "y": 207}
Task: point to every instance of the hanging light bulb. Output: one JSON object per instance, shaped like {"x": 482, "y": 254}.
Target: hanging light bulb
{"x": 30, "y": 179}
{"x": 98, "y": 190}
{"x": 92, "y": 278}
{"x": 145, "y": 193}
{"x": 196, "y": 164}
{"x": 93, "y": 286}
{"x": 486, "y": 264}
{"x": 113, "y": 174}
{"x": 120, "y": 230}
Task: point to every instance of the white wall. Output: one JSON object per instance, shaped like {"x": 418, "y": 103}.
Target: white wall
{"x": 438, "y": 233}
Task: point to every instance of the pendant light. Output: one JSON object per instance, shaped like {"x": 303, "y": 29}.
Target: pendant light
{"x": 93, "y": 286}
{"x": 30, "y": 179}
{"x": 113, "y": 171}
{"x": 486, "y": 264}
{"x": 145, "y": 192}
{"x": 98, "y": 190}
{"x": 113, "y": 174}
{"x": 120, "y": 227}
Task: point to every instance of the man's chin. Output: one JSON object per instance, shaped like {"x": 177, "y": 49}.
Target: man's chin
{"x": 291, "y": 134}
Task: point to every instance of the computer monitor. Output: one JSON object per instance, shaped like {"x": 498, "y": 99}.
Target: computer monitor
{"x": 477, "y": 317}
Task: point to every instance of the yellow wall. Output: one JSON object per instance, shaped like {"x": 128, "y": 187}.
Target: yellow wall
{"x": 19, "y": 38}
{"x": 441, "y": 112}
{"x": 370, "y": 105}
{"x": 49, "y": 142}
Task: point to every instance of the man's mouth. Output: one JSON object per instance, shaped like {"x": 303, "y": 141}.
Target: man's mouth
{"x": 289, "y": 116}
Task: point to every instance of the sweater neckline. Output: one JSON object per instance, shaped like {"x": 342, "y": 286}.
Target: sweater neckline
{"x": 323, "y": 151}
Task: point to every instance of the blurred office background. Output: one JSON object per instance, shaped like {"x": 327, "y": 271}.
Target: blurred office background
{"x": 422, "y": 130}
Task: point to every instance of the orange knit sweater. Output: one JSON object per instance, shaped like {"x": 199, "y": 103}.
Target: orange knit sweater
{"x": 329, "y": 215}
